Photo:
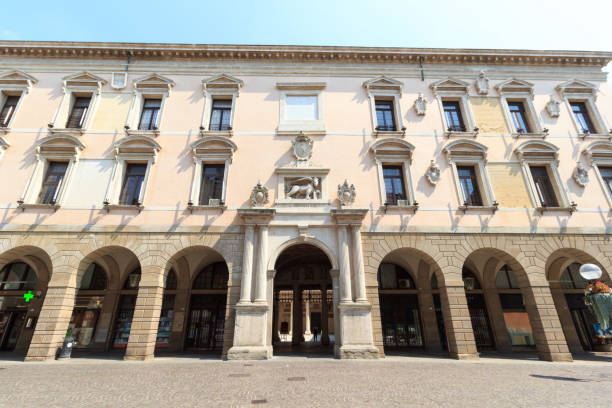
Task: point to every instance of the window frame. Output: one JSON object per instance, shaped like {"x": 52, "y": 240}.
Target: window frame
{"x": 454, "y": 90}
{"x": 599, "y": 153}
{"x": 46, "y": 176}
{"x": 221, "y": 86}
{"x": 576, "y": 90}
{"x": 149, "y": 87}
{"x": 203, "y": 155}
{"x": 124, "y": 181}
{"x": 83, "y": 117}
{"x": 465, "y": 152}
{"x": 294, "y": 127}
{"x": 516, "y": 90}
{"x": 394, "y": 152}
{"x": 384, "y": 88}
{"x": 541, "y": 153}
{"x": 4, "y": 96}
{"x": 14, "y": 83}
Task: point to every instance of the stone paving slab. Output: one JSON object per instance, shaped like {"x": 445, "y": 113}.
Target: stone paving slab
{"x": 305, "y": 382}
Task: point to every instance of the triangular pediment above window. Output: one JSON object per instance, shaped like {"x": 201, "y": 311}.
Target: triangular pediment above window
{"x": 392, "y": 147}
{"x": 222, "y": 81}
{"x": 154, "y": 81}
{"x": 450, "y": 84}
{"x": 599, "y": 151}
{"x": 576, "y": 86}
{"x": 137, "y": 146}
{"x": 515, "y": 85}
{"x": 60, "y": 144}
{"x": 17, "y": 79}
{"x": 84, "y": 79}
{"x": 465, "y": 147}
{"x": 537, "y": 150}
{"x": 383, "y": 83}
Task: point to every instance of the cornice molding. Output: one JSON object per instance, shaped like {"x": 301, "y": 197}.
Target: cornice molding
{"x": 387, "y": 55}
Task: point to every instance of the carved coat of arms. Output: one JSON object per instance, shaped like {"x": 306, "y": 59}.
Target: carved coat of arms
{"x": 302, "y": 147}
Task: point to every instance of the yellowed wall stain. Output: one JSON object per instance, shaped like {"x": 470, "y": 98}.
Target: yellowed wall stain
{"x": 112, "y": 112}
{"x": 509, "y": 185}
{"x": 488, "y": 115}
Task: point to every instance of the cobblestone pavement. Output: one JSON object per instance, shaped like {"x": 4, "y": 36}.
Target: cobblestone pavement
{"x": 303, "y": 382}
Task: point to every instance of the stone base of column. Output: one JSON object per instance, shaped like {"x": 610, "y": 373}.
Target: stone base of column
{"x": 356, "y": 327}
{"x": 250, "y": 353}
{"x": 142, "y": 357}
{"x": 556, "y": 357}
{"x": 356, "y": 352}
{"x": 464, "y": 356}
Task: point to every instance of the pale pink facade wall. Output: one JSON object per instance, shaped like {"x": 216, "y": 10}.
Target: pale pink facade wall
{"x": 344, "y": 149}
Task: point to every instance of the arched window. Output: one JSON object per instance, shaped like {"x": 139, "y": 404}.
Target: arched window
{"x": 170, "y": 280}
{"x": 94, "y": 278}
{"x": 17, "y": 276}
{"x": 434, "y": 281}
{"x": 571, "y": 279}
{"x": 133, "y": 279}
{"x": 391, "y": 276}
{"x": 470, "y": 281}
{"x": 214, "y": 276}
{"x": 506, "y": 279}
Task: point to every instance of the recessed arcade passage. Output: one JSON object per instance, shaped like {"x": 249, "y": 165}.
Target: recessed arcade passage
{"x": 303, "y": 315}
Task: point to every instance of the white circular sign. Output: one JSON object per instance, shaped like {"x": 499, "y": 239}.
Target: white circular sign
{"x": 590, "y": 271}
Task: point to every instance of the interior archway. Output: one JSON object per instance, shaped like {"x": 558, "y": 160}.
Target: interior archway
{"x": 303, "y": 310}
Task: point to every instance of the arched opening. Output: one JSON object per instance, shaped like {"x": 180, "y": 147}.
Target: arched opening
{"x": 206, "y": 321}
{"x": 437, "y": 304}
{"x": 303, "y": 310}
{"x": 125, "y": 309}
{"x": 16, "y": 279}
{"x": 399, "y": 308}
{"x": 515, "y": 314}
{"x": 478, "y": 309}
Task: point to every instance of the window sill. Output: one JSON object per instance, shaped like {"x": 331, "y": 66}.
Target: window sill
{"x": 67, "y": 131}
{"x": 521, "y": 135}
{"x": 149, "y": 133}
{"x": 390, "y": 133}
{"x": 192, "y": 208}
{"x": 460, "y": 134}
{"x": 479, "y": 208}
{"x": 222, "y": 133}
{"x": 571, "y": 209}
{"x": 605, "y": 136}
{"x": 400, "y": 208}
{"x": 4, "y": 130}
{"x": 123, "y": 207}
{"x": 37, "y": 206}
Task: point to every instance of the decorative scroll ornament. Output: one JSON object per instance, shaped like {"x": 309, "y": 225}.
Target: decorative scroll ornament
{"x": 553, "y": 108}
{"x": 259, "y": 195}
{"x": 433, "y": 173}
{"x": 346, "y": 193}
{"x": 302, "y": 147}
{"x": 420, "y": 105}
{"x": 581, "y": 175}
{"x": 482, "y": 83}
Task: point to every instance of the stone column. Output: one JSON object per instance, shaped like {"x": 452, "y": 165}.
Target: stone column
{"x": 307, "y": 317}
{"x": 431, "y": 337}
{"x": 247, "y": 265}
{"x": 549, "y": 337}
{"x": 360, "y": 289}
{"x": 262, "y": 257}
{"x": 459, "y": 332}
{"x": 345, "y": 265}
{"x": 141, "y": 344}
{"x": 324, "y": 319}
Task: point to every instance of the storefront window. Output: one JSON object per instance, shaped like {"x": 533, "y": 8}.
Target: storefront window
{"x": 84, "y": 319}
{"x": 165, "y": 322}
{"x": 123, "y": 322}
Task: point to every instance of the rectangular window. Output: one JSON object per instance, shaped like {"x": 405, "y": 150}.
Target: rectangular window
{"x": 52, "y": 182}
{"x": 301, "y": 107}
{"x": 10, "y": 104}
{"x": 582, "y": 117}
{"x": 544, "y": 188}
{"x": 78, "y": 113}
{"x": 150, "y": 111}
{"x": 469, "y": 185}
{"x": 212, "y": 182}
{"x": 394, "y": 184}
{"x": 454, "y": 120}
{"x": 384, "y": 116}
{"x": 132, "y": 183}
{"x": 519, "y": 117}
{"x": 606, "y": 175}
{"x": 221, "y": 114}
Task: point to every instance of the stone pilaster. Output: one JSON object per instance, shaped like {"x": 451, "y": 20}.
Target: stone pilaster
{"x": 143, "y": 333}
{"x": 431, "y": 338}
{"x": 261, "y": 280}
{"x": 459, "y": 332}
{"x": 360, "y": 289}
{"x": 344, "y": 265}
{"x": 247, "y": 265}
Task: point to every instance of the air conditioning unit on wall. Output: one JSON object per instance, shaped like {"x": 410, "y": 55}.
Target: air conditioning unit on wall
{"x": 214, "y": 202}
{"x": 403, "y": 203}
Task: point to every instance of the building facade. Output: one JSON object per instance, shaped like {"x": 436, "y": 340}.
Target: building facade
{"x": 242, "y": 199}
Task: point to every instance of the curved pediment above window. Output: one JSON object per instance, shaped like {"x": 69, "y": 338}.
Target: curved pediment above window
{"x": 450, "y": 84}
{"x": 576, "y": 86}
{"x": 600, "y": 151}
{"x": 137, "y": 147}
{"x": 465, "y": 148}
{"x": 154, "y": 82}
{"x": 392, "y": 147}
{"x": 16, "y": 80}
{"x": 514, "y": 85}
{"x": 383, "y": 82}
{"x": 538, "y": 150}
{"x": 214, "y": 146}
{"x": 222, "y": 81}
{"x": 60, "y": 144}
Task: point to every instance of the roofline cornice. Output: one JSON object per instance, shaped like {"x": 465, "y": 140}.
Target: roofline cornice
{"x": 387, "y": 55}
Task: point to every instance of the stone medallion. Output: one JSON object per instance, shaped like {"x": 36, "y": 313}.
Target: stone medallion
{"x": 302, "y": 147}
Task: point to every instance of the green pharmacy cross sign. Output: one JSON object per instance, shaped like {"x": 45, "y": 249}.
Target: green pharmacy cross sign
{"x": 28, "y": 296}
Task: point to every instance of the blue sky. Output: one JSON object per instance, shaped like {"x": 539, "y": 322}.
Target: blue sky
{"x": 533, "y": 24}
